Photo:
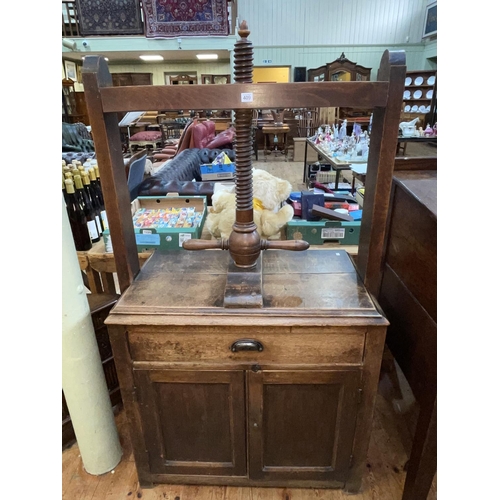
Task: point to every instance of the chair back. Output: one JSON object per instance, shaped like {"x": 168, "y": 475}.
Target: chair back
{"x": 255, "y": 118}
{"x": 254, "y": 129}
{"x": 171, "y": 130}
{"x": 136, "y": 170}
{"x": 308, "y": 122}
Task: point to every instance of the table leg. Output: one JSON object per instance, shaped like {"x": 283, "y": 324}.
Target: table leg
{"x": 305, "y": 164}
{"x": 337, "y": 178}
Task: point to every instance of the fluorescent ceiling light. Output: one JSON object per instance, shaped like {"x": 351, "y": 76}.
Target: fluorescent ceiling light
{"x": 151, "y": 58}
{"x": 106, "y": 59}
{"x": 207, "y": 56}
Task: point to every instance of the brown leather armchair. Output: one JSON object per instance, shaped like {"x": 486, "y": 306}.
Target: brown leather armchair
{"x": 198, "y": 134}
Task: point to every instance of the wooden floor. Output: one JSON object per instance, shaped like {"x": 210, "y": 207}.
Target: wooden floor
{"x": 393, "y": 424}
{"x": 394, "y": 420}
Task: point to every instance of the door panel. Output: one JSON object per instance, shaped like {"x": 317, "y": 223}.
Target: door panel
{"x": 194, "y": 422}
{"x": 301, "y": 424}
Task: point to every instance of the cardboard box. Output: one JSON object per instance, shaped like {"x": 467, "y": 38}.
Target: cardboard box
{"x": 317, "y": 233}
{"x": 299, "y": 144}
{"x": 164, "y": 239}
{"x": 211, "y": 172}
{"x": 360, "y": 196}
{"x": 307, "y": 200}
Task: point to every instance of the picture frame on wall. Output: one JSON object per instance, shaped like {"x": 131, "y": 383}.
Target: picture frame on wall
{"x": 79, "y": 78}
{"x": 430, "y": 24}
{"x": 70, "y": 70}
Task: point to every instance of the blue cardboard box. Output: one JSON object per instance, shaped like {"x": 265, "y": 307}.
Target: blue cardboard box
{"x": 211, "y": 172}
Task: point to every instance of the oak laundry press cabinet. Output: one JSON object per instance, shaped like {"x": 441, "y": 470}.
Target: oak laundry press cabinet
{"x": 244, "y": 361}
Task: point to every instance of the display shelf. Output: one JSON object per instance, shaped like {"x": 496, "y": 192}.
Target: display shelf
{"x": 423, "y": 105}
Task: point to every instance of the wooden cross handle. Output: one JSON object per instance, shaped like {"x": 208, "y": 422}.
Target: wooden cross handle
{"x": 292, "y": 245}
{"x": 205, "y": 244}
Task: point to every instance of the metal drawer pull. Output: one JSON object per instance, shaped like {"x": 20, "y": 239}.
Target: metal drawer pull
{"x": 247, "y": 345}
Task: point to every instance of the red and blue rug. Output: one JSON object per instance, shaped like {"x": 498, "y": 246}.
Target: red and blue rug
{"x": 174, "y": 18}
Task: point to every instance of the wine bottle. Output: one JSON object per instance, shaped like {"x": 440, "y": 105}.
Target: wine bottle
{"x": 97, "y": 187}
{"x": 88, "y": 208}
{"x": 65, "y": 194}
{"x": 97, "y": 175}
{"x": 94, "y": 200}
{"x": 77, "y": 218}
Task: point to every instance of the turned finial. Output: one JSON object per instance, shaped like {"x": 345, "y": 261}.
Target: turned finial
{"x": 243, "y": 30}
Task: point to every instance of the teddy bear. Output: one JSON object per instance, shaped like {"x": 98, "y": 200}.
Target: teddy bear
{"x": 269, "y": 192}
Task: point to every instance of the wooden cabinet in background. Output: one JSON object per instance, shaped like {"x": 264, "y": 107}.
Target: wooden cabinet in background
{"x": 81, "y": 108}
{"x": 344, "y": 70}
{"x": 183, "y": 79}
{"x": 70, "y": 111}
{"x": 215, "y": 79}
{"x": 125, "y": 79}
{"x": 420, "y": 97}
{"x": 340, "y": 70}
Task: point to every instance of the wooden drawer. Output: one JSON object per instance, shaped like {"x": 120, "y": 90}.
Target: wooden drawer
{"x": 304, "y": 345}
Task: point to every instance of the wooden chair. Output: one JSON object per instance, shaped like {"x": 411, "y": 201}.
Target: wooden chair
{"x": 308, "y": 122}
{"x": 171, "y": 130}
{"x": 170, "y": 151}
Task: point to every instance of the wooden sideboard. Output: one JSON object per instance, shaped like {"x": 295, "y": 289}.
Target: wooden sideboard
{"x": 408, "y": 295}
{"x": 406, "y": 287}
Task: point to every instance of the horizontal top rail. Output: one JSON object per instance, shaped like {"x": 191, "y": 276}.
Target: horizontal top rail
{"x": 244, "y": 96}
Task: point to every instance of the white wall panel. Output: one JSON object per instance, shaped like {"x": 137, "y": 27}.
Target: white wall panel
{"x": 313, "y": 57}
{"x": 333, "y": 22}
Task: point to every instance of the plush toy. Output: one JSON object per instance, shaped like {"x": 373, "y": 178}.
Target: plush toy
{"x": 269, "y": 193}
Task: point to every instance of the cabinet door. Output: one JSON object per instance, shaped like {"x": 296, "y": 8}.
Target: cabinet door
{"x": 301, "y": 424}
{"x": 193, "y": 421}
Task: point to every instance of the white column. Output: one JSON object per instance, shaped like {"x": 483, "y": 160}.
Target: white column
{"x": 83, "y": 379}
